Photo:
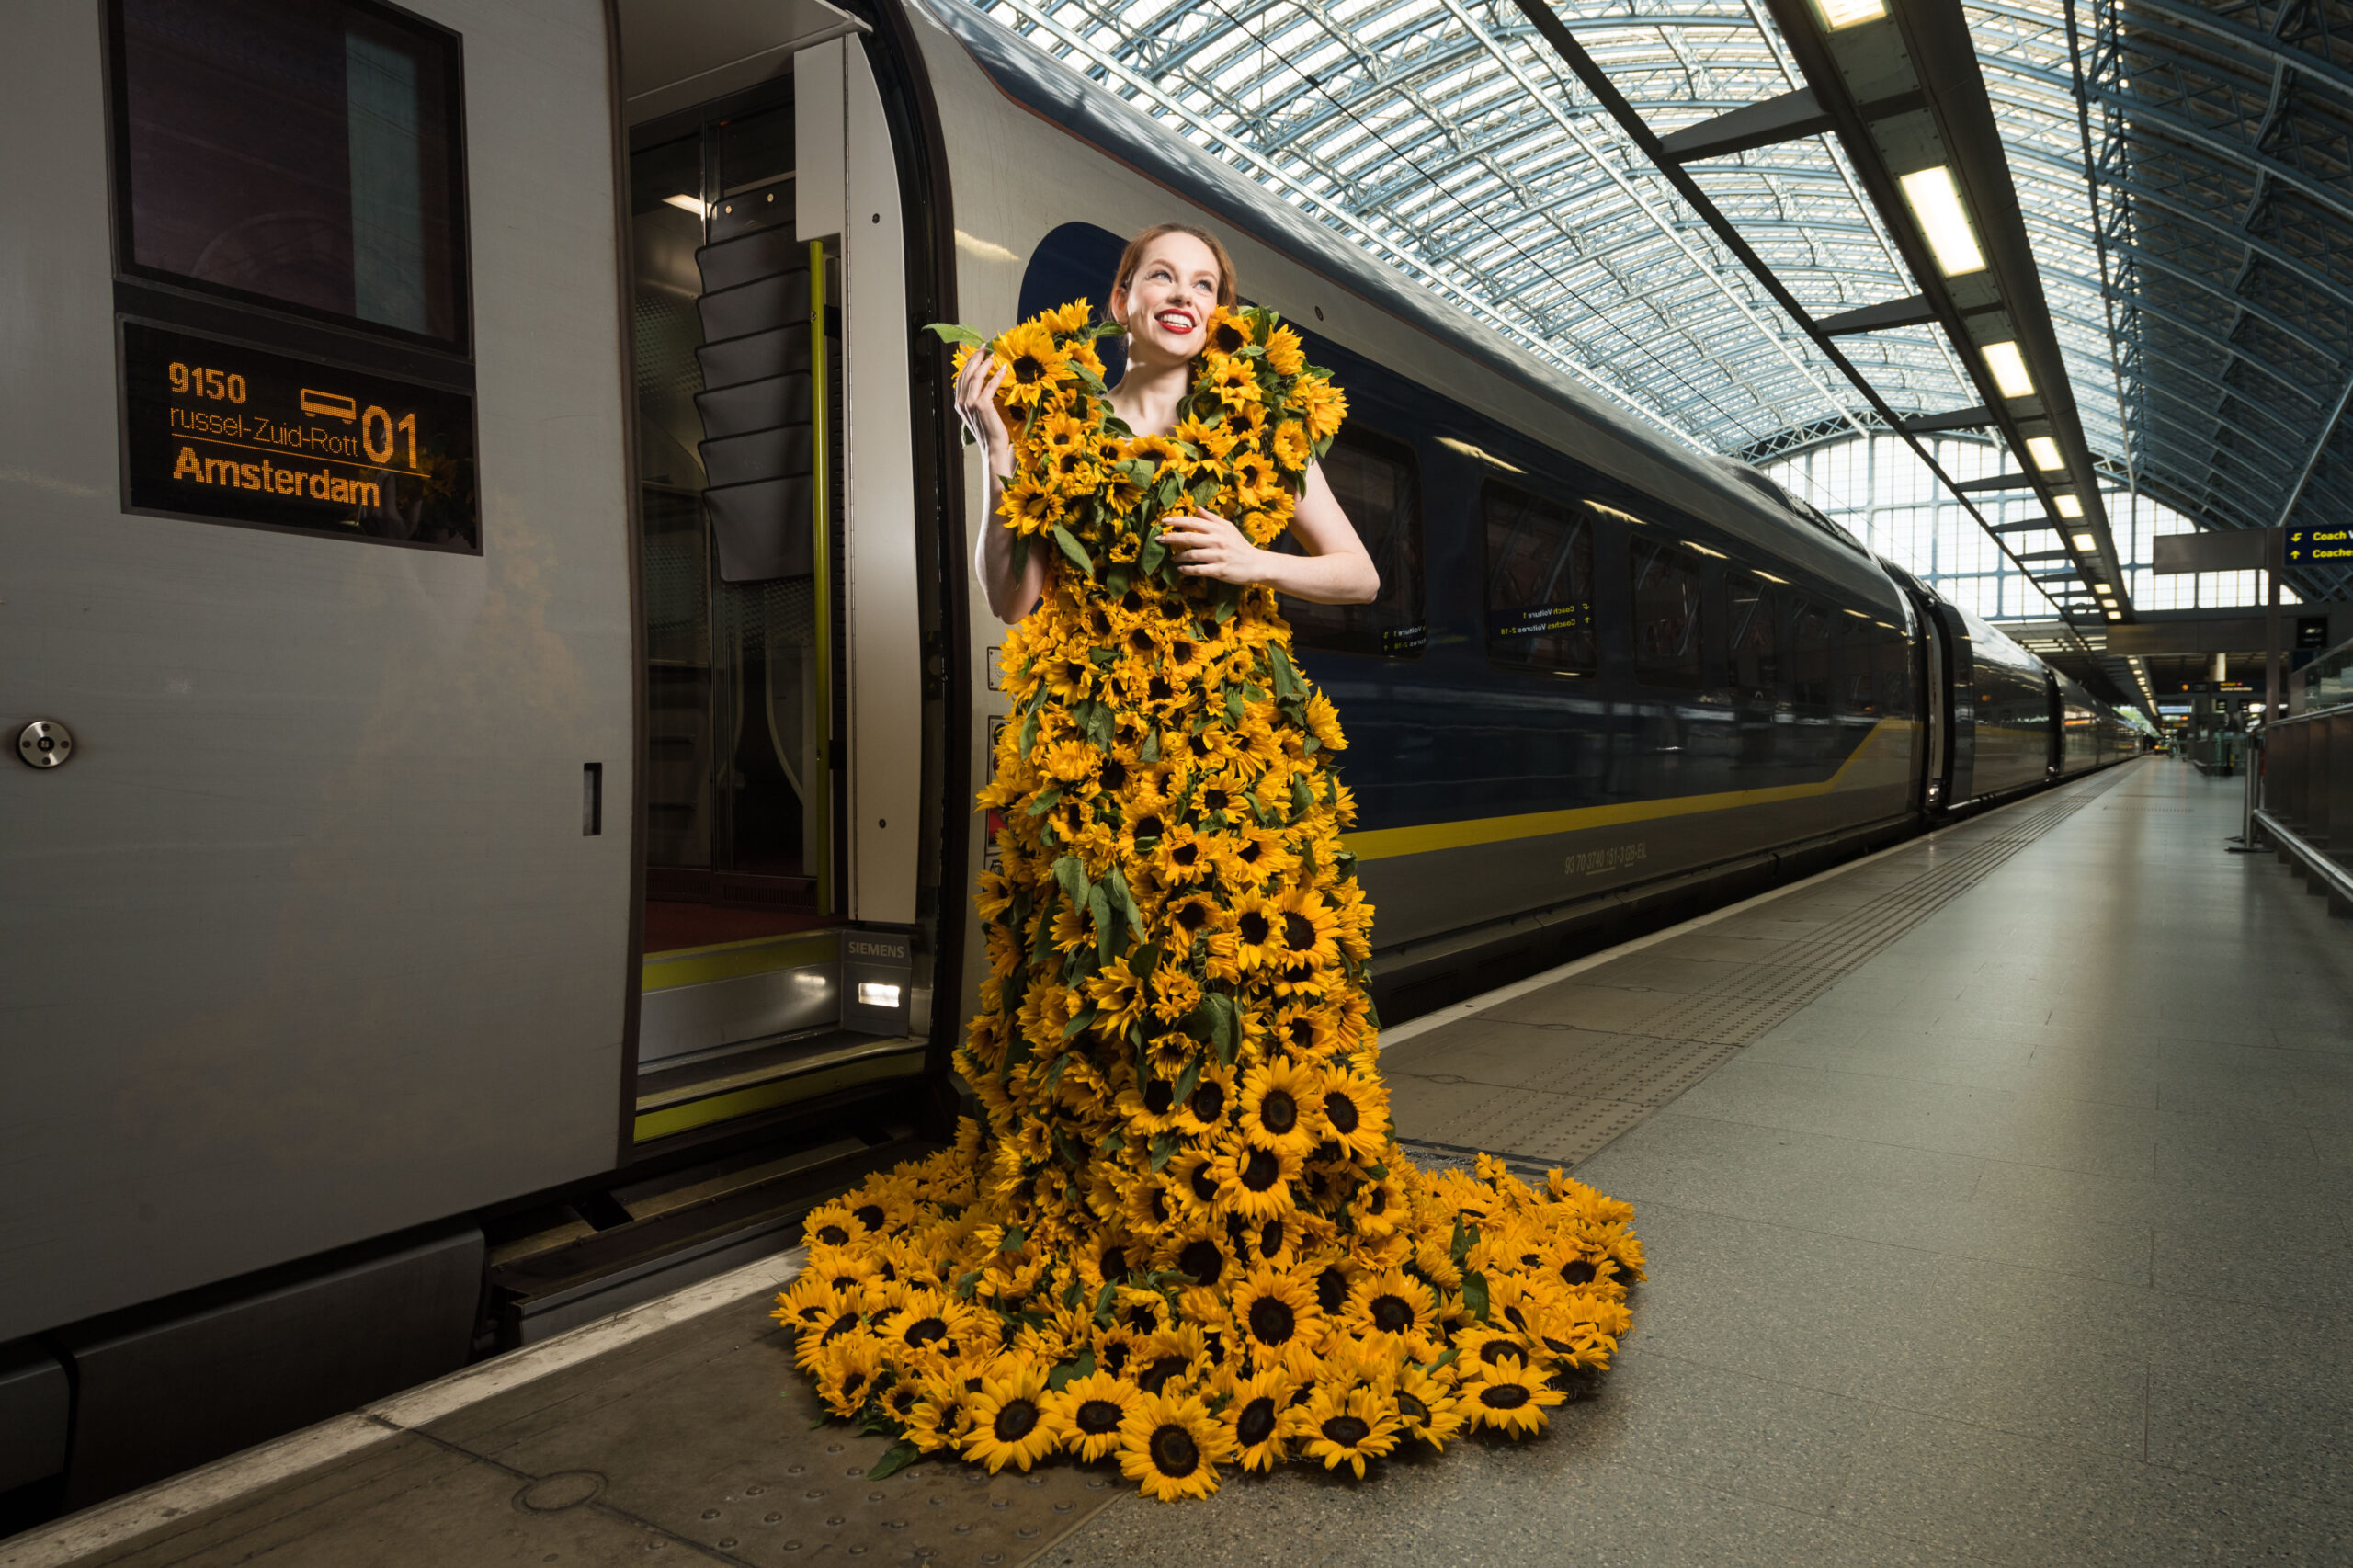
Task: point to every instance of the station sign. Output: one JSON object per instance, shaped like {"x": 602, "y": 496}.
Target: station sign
{"x": 224, "y": 432}
{"x": 2310, "y": 545}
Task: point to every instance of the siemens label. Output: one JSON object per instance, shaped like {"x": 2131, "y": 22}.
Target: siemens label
{"x": 226, "y": 433}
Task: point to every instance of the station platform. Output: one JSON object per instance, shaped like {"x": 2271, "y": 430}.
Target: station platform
{"x": 1998, "y": 1195}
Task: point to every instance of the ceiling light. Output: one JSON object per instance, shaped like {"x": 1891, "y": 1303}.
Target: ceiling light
{"x": 685, "y": 204}
{"x": 2116, "y": 615}
{"x": 2009, "y": 369}
{"x": 2081, "y": 541}
{"x": 2102, "y": 588}
{"x": 2045, "y": 452}
{"x": 2072, "y": 506}
{"x": 1936, "y": 207}
{"x": 1836, "y": 13}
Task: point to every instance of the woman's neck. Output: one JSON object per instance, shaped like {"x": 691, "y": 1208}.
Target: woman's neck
{"x": 1146, "y": 397}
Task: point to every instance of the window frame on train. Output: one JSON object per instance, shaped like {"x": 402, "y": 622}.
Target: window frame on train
{"x": 443, "y": 272}
{"x": 1395, "y": 625}
{"x": 1767, "y": 606}
{"x": 1556, "y": 632}
{"x": 1649, "y": 548}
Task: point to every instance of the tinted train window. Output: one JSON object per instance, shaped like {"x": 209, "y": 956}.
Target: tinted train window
{"x": 1895, "y": 674}
{"x": 1756, "y": 638}
{"x": 304, "y": 152}
{"x": 1376, "y": 483}
{"x": 1812, "y": 649}
{"x": 1666, "y": 614}
{"x": 1540, "y": 582}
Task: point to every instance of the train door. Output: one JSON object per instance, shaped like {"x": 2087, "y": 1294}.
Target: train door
{"x": 779, "y": 629}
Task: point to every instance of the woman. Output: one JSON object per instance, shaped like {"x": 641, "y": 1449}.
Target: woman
{"x": 1183, "y": 1236}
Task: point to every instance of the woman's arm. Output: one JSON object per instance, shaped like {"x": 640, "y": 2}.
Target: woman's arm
{"x": 1011, "y": 595}
{"x": 1335, "y": 571}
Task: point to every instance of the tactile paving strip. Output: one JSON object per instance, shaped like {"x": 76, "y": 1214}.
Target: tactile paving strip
{"x": 1569, "y": 1114}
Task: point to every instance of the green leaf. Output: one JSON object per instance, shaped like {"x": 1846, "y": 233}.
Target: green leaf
{"x": 1103, "y": 1302}
{"x": 1085, "y": 1017}
{"x": 1286, "y": 681}
{"x": 1106, "y": 937}
{"x": 952, "y": 331}
{"x": 896, "y": 1458}
{"x": 822, "y": 1416}
{"x": 1474, "y": 1293}
{"x": 1076, "y": 552}
{"x": 1070, "y": 875}
{"x": 1028, "y": 732}
{"x": 1151, "y": 752}
{"x": 1153, "y": 552}
{"x": 1465, "y": 1238}
{"x": 1188, "y": 1080}
{"x": 1164, "y": 1148}
{"x": 1014, "y": 1239}
{"x": 1046, "y": 801}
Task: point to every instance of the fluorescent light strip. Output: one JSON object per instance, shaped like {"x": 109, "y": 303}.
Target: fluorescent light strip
{"x": 2009, "y": 369}
{"x": 1936, "y": 207}
{"x": 1837, "y": 13}
{"x": 2045, "y": 452}
{"x": 2070, "y": 506}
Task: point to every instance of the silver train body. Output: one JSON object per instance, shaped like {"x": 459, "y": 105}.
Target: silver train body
{"x": 519, "y": 822}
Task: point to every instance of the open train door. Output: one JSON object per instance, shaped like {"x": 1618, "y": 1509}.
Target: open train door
{"x": 782, "y": 618}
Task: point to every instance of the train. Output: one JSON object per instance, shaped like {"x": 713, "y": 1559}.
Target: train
{"x": 490, "y": 631}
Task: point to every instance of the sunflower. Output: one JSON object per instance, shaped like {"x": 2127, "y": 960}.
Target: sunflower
{"x": 1345, "y": 1427}
{"x": 1172, "y": 1445}
{"x": 1355, "y": 1112}
{"x": 1228, "y": 333}
{"x": 1030, "y": 505}
{"x": 1257, "y": 927}
{"x": 1212, "y": 1101}
{"x": 846, "y": 1373}
{"x": 1427, "y": 1408}
{"x": 1285, "y": 353}
{"x": 1394, "y": 1305}
{"x": 1253, "y": 1419}
{"x": 1308, "y": 926}
{"x": 1034, "y": 360}
{"x": 1254, "y": 1181}
{"x": 1086, "y": 1414}
{"x": 1281, "y": 1103}
{"x": 1274, "y": 1310}
{"x": 1507, "y": 1397}
{"x": 1010, "y": 1423}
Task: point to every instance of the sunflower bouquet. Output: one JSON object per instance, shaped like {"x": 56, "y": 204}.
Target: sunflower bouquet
{"x": 1182, "y": 1237}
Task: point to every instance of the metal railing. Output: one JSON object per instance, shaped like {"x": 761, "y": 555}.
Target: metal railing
{"x": 2300, "y": 796}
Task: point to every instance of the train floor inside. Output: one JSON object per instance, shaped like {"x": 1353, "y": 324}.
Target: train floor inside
{"x": 1998, "y": 1201}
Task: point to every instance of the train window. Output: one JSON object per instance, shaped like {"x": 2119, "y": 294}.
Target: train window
{"x": 1756, "y": 638}
{"x": 1895, "y": 674}
{"x": 1666, "y": 614}
{"x": 1812, "y": 649}
{"x": 306, "y": 154}
{"x": 1378, "y": 483}
{"x": 1539, "y": 583}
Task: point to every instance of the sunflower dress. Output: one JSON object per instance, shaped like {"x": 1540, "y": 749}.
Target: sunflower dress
{"x": 1181, "y": 1236}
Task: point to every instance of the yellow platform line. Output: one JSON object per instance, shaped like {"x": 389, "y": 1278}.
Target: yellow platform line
{"x": 732, "y": 960}
{"x": 1386, "y": 843}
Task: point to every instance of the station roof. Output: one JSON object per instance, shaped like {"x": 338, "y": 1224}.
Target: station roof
{"x": 2187, "y": 210}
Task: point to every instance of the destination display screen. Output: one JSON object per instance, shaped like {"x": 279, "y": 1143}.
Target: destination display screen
{"x": 222, "y": 431}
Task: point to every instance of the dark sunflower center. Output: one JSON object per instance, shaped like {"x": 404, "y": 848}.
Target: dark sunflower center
{"x": 1342, "y": 1113}
{"x": 1203, "y": 1260}
{"x": 840, "y": 1326}
{"x": 870, "y": 1216}
{"x": 1503, "y": 1396}
{"x": 1272, "y": 1322}
{"x": 1497, "y": 1351}
{"x": 1115, "y": 1263}
{"x": 1331, "y": 1289}
{"x": 902, "y": 1399}
{"x": 1577, "y": 1271}
{"x": 1016, "y": 1421}
{"x": 1257, "y": 1422}
{"x": 1347, "y": 1430}
{"x": 1181, "y": 651}
{"x": 1278, "y": 1112}
{"x": 1027, "y": 368}
{"x": 1271, "y": 1239}
{"x": 1204, "y": 1186}
{"x": 1229, "y": 339}
{"x": 1391, "y": 1315}
{"x": 1160, "y": 1204}
{"x": 1208, "y": 1102}
{"x": 1149, "y": 825}
{"x": 1215, "y": 800}
{"x": 1158, "y": 690}
{"x": 1158, "y": 1097}
{"x": 851, "y": 1384}
{"x": 1131, "y": 601}
{"x": 1142, "y": 1317}
{"x": 1115, "y": 1357}
{"x": 1140, "y": 641}
{"x": 833, "y": 1235}
{"x": 1298, "y": 932}
{"x": 1412, "y": 1409}
{"x": 923, "y": 1331}
{"x": 1301, "y": 1033}
{"x": 1174, "y": 1452}
{"x": 1254, "y": 927}
{"x": 1155, "y": 1377}
{"x": 1185, "y": 855}
{"x": 1192, "y": 916}
{"x": 1261, "y": 1170}
{"x": 1097, "y": 1416}
{"x": 1114, "y": 773}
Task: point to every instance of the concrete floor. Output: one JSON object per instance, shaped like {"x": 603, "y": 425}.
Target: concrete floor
{"x": 2009, "y": 1225}
{"x": 2026, "y": 1243}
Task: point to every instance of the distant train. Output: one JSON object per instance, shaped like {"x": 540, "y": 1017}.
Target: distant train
{"x": 481, "y": 508}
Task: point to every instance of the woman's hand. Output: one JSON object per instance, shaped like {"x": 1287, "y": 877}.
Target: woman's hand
{"x": 1207, "y": 546}
{"x": 976, "y": 387}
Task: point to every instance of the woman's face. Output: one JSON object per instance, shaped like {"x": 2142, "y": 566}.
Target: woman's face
{"x": 1165, "y": 306}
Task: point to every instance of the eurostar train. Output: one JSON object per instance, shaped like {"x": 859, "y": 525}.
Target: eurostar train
{"x": 489, "y": 633}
